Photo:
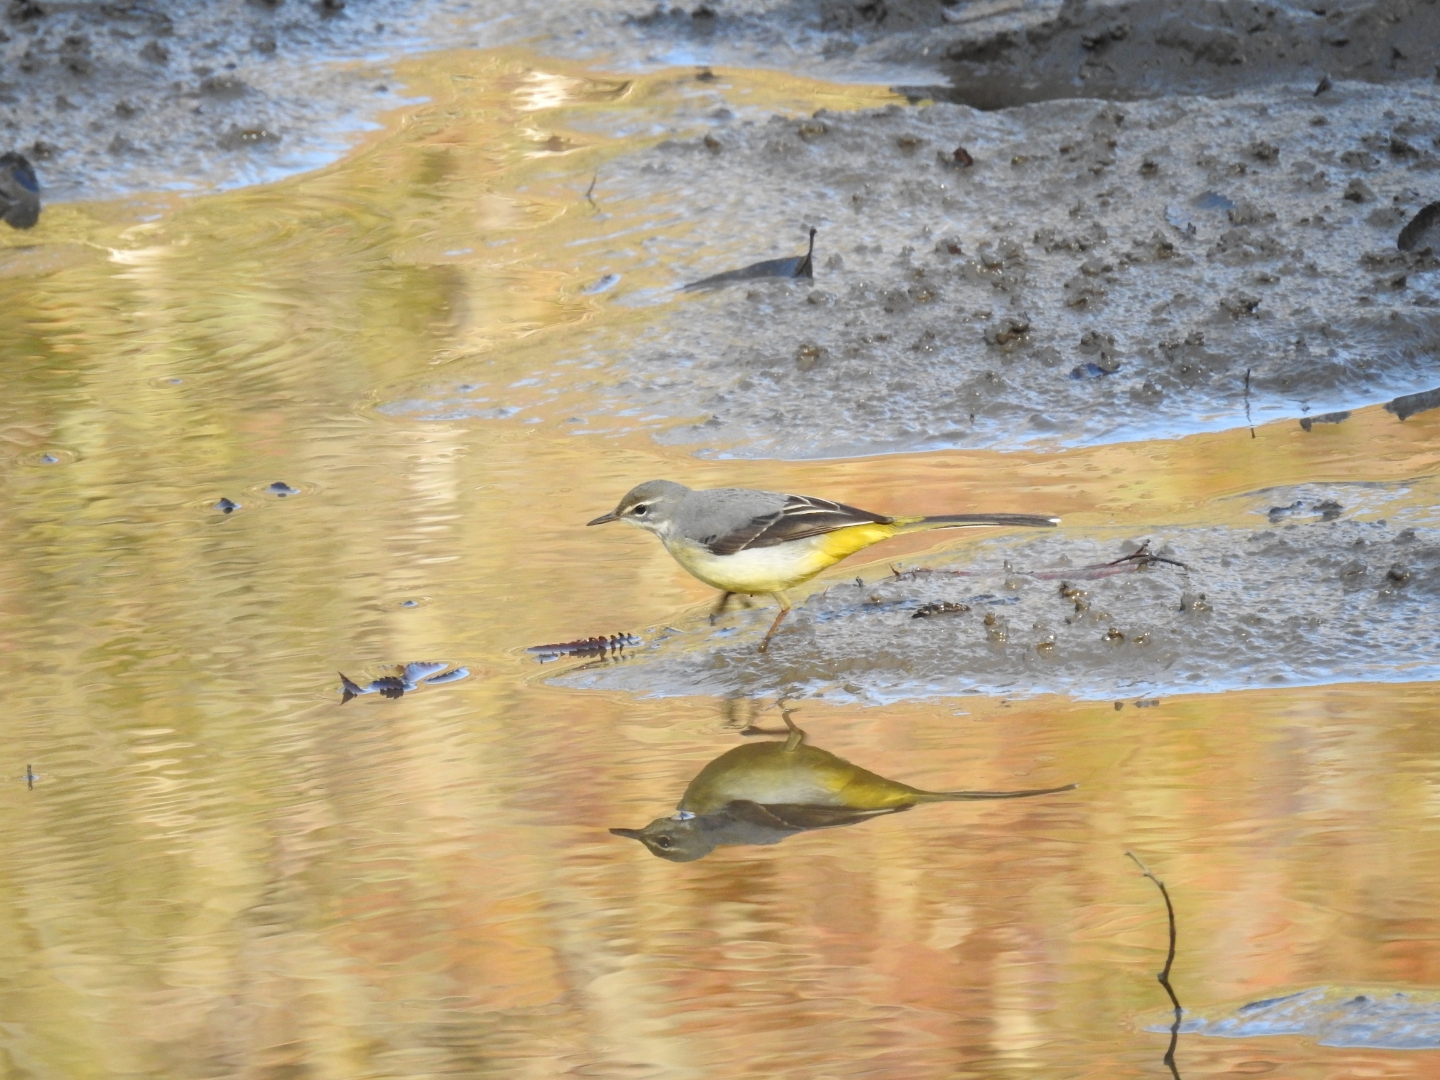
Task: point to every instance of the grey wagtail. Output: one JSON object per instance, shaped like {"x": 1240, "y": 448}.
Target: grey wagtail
{"x": 764, "y": 792}
{"x": 742, "y": 541}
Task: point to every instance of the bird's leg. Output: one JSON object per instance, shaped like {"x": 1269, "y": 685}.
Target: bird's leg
{"x": 796, "y": 738}
{"x": 784, "y": 610}
{"x": 720, "y": 607}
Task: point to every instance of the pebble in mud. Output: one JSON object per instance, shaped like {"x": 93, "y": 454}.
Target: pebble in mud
{"x": 1284, "y": 605}
{"x": 1197, "y": 275}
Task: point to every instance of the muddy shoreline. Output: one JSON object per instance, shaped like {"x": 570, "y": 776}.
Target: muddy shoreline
{"x": 110, "y": 98}
{"x": 1220, "y": 609}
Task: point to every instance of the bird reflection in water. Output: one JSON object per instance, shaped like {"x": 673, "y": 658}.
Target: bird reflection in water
{"x": 764, "y": 792}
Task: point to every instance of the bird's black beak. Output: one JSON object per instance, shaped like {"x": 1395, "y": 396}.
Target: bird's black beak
{"x": 603, "y": 518}
{"x": 629, "y": 834}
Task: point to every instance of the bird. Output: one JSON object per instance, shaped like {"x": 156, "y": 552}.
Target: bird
{"x": 19, "y": 191}
{"x": 763, "y": 792}
{"x": 750, "y": 542}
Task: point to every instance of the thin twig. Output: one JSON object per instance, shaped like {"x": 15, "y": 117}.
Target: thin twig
{"x": 590, "y": 191}
{"x": 1136, "y": 560}
{"x": 1164, "y": 976}
{"x": 1247, "y": 404}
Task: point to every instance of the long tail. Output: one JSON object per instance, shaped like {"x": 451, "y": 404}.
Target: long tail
{"x": 969, "y": 521}
{"x": 972, "y": 796}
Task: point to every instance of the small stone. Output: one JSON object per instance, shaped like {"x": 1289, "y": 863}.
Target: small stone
{"x": 1357, "y": 191}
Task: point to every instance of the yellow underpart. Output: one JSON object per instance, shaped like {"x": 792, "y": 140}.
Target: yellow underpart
{"x": 783, "y": 566}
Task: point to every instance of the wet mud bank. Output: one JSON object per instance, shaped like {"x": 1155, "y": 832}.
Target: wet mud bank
{"x": 1308, "y": 596}
{"x": 118, "y": 97}
{"x": 115, "y": 98}
{"x": 1084, "y": 272}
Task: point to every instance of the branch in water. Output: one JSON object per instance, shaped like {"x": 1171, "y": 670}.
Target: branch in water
{"x": 1164, "y": 975}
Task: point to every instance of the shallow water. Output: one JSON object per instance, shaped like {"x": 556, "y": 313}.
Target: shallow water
{"x": 219, "y": 869}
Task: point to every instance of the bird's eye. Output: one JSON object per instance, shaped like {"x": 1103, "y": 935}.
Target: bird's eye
{"x": 639, "y": 511}
{"x": 662, "y": 841}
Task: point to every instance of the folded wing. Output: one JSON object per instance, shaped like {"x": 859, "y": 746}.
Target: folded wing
{"x": 801, "y": 516}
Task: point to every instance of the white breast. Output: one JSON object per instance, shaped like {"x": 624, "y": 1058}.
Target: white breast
{"x": 754, "y": 570}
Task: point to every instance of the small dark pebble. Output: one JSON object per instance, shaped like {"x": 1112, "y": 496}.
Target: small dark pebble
{"x": 1329, "y": 509}
{"x": 1147, "y": 703}
{"x": 49, "y": 459}
{"x": 1092, "y": 370}
{"x": 225, "y": 506}
{"x": 962, "y": 157}
{"x": 282, "y": 489}
{"x": 1323, "y": 85}
{"x": 409, "y": 603}
{"x": 19, "y": 191}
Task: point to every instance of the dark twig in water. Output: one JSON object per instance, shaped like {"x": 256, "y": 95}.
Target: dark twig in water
{"x": 1163, "y": 977}
{"x": 593, "y": 646}
{"x": 590, "y": 191}
{"x": 1248, "y": 420}
{"x": 30, "y": 778}
{"x": 1144, "y": 557}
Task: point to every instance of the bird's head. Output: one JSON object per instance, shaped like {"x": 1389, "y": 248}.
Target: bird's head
{"x": 675, "y": 838}
{"x": 650, "y": 506}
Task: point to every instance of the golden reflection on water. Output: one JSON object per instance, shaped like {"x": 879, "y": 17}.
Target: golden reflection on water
{"x": 222, "y": 871}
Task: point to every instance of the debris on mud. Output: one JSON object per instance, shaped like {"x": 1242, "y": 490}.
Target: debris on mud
{"x": 800, "y": 266}
{"x": 1308, "y": 422}
{"x": 1331, "y": 1015}
{"x": 1410, "y": 404}
{"x": 941, "y": 607}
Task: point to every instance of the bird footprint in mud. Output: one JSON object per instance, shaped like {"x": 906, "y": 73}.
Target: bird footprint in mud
{"x": 409, "y": 678}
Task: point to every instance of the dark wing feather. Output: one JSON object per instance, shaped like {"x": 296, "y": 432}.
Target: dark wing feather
{"x": 801, "y": 516}
{"x": 799, "y": 817}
